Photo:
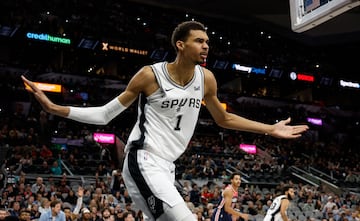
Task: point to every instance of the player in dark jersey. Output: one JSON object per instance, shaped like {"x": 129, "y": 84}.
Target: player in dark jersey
{"x": 225, "y": 209}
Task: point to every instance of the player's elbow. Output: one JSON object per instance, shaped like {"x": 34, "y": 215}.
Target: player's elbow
{"x": 229, "y": 210}
{"x": 220, "y": 124}
{"x": 223, "y": 122}
{"x": 99, "y": 120}
{"x": 103, "y": 122}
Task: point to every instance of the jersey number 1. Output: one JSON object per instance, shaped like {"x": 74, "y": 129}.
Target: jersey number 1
{"x": 178, "y": 122}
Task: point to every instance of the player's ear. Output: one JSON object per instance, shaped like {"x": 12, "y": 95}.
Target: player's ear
{"x": 180, "y": 45}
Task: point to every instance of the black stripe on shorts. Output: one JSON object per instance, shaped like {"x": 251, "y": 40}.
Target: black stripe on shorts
{"x": 155, "y": 205}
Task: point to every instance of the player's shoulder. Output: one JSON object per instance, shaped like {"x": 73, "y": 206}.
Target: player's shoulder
{"x": 228, "y": 189}
{"x": 206, "y": 70}
{"x": 145, "y": 72}
{"x": 208, "y": 74}
{"x": 146, "y": 69}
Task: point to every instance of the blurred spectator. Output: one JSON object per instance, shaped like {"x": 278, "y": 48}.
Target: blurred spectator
{"x": 216, "y": 195}
{"x": 118, "y": 197}
{"x": 55, "y": 213}
{"x": 105, "y": 154}
{"x": 189, "y": 204}
{"x": 45, "y": 152}
{"x": 102, "y": 170}
{"x": 69, "y": 216}
{"x": 56, "y": 167}
{"x": 260, "y": 208}
{"x": 44, "y": 168}
{"x": 252, "y": 210}
{"x": 26, "y": 162}
{"x": 25, "y": 215}
{"x": 119, "y": 215}
{"x": 208, "y": 170}
{"x": 44, "y": 205}
{"x": 35, "y": 213}
{"x": 71, "y": 197}
{"x": 195, "y": 195}
{"x": 329, "y": 206}
{"x": 86, "y": 215}
{"x": 186, "y": 187}
{"x": 37, "y": 185}
{"x": 10, "y": 172}
{"x": 106, "y": 215}
{"x": 129, "y": 208}
{"x": 3, "y": 213}
{"x": 95, "y": 214}
{"x": 128, "y": 216}
{"x": 15, "y": 209}
{"x": 140, "y": 216}
{"x": 127, "y": 197}
{"x": 308, "y": 205}
{"x": 64, "y": 188}
{"x": 87, "y": 196}
{"x": 116, "y": 181}
{"x": 206, "y": 194}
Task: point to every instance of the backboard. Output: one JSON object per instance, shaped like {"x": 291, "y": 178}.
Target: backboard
{"x": 307, "y": 14}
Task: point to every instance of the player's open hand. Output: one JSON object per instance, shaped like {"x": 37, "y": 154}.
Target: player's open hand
{"x": 38, "y": 93}
{"x": 245, "y": 216}
{"x": 283, "y": 130}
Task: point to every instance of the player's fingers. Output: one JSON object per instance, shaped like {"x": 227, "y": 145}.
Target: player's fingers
{"x": 29, "y": 84}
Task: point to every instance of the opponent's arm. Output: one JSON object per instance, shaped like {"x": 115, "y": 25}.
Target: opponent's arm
{"x": 233, "y": 121}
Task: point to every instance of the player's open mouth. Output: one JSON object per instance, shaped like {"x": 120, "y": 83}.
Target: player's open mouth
{"x": 204, "y": 56}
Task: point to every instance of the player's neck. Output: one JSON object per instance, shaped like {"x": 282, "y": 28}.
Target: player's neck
{"x": 234, "y": 187}
{"x": 181, "y": 72}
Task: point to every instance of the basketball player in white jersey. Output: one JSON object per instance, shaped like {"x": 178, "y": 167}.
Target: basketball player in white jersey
{"x": 169, "y": 96}
{"x": 279, "y": 206}
{"x": 225, "y": 209}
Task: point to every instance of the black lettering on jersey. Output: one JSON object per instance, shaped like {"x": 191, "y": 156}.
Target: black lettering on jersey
{"x": 165, "y": 104}
{"x": 194, "y": 103}
{"x": 183, "y": 102}
{"x": 176, "y": 103}
{"x": 198, "y": 103}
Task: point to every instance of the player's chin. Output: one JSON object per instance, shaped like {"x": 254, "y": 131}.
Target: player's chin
{"x": 201, "y": 62}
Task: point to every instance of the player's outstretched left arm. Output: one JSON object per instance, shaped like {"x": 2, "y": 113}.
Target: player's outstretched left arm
{"x": 281, "y": 129}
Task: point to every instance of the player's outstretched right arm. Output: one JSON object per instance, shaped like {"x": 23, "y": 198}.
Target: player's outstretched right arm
{"x": 142, "y": 82}
{"x": 45, "y": 102}
{"x": 92, "y": 115}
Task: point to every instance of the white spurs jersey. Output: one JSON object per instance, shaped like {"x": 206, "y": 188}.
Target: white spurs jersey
{"x": 273, "y": 213}
{"x": 168, "y": 117}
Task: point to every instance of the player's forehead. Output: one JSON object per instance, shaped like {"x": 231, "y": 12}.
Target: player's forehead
{"x": 194, "y": 34}
{"x": 291, "y": 190}
{"x": 236, "y": 177}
